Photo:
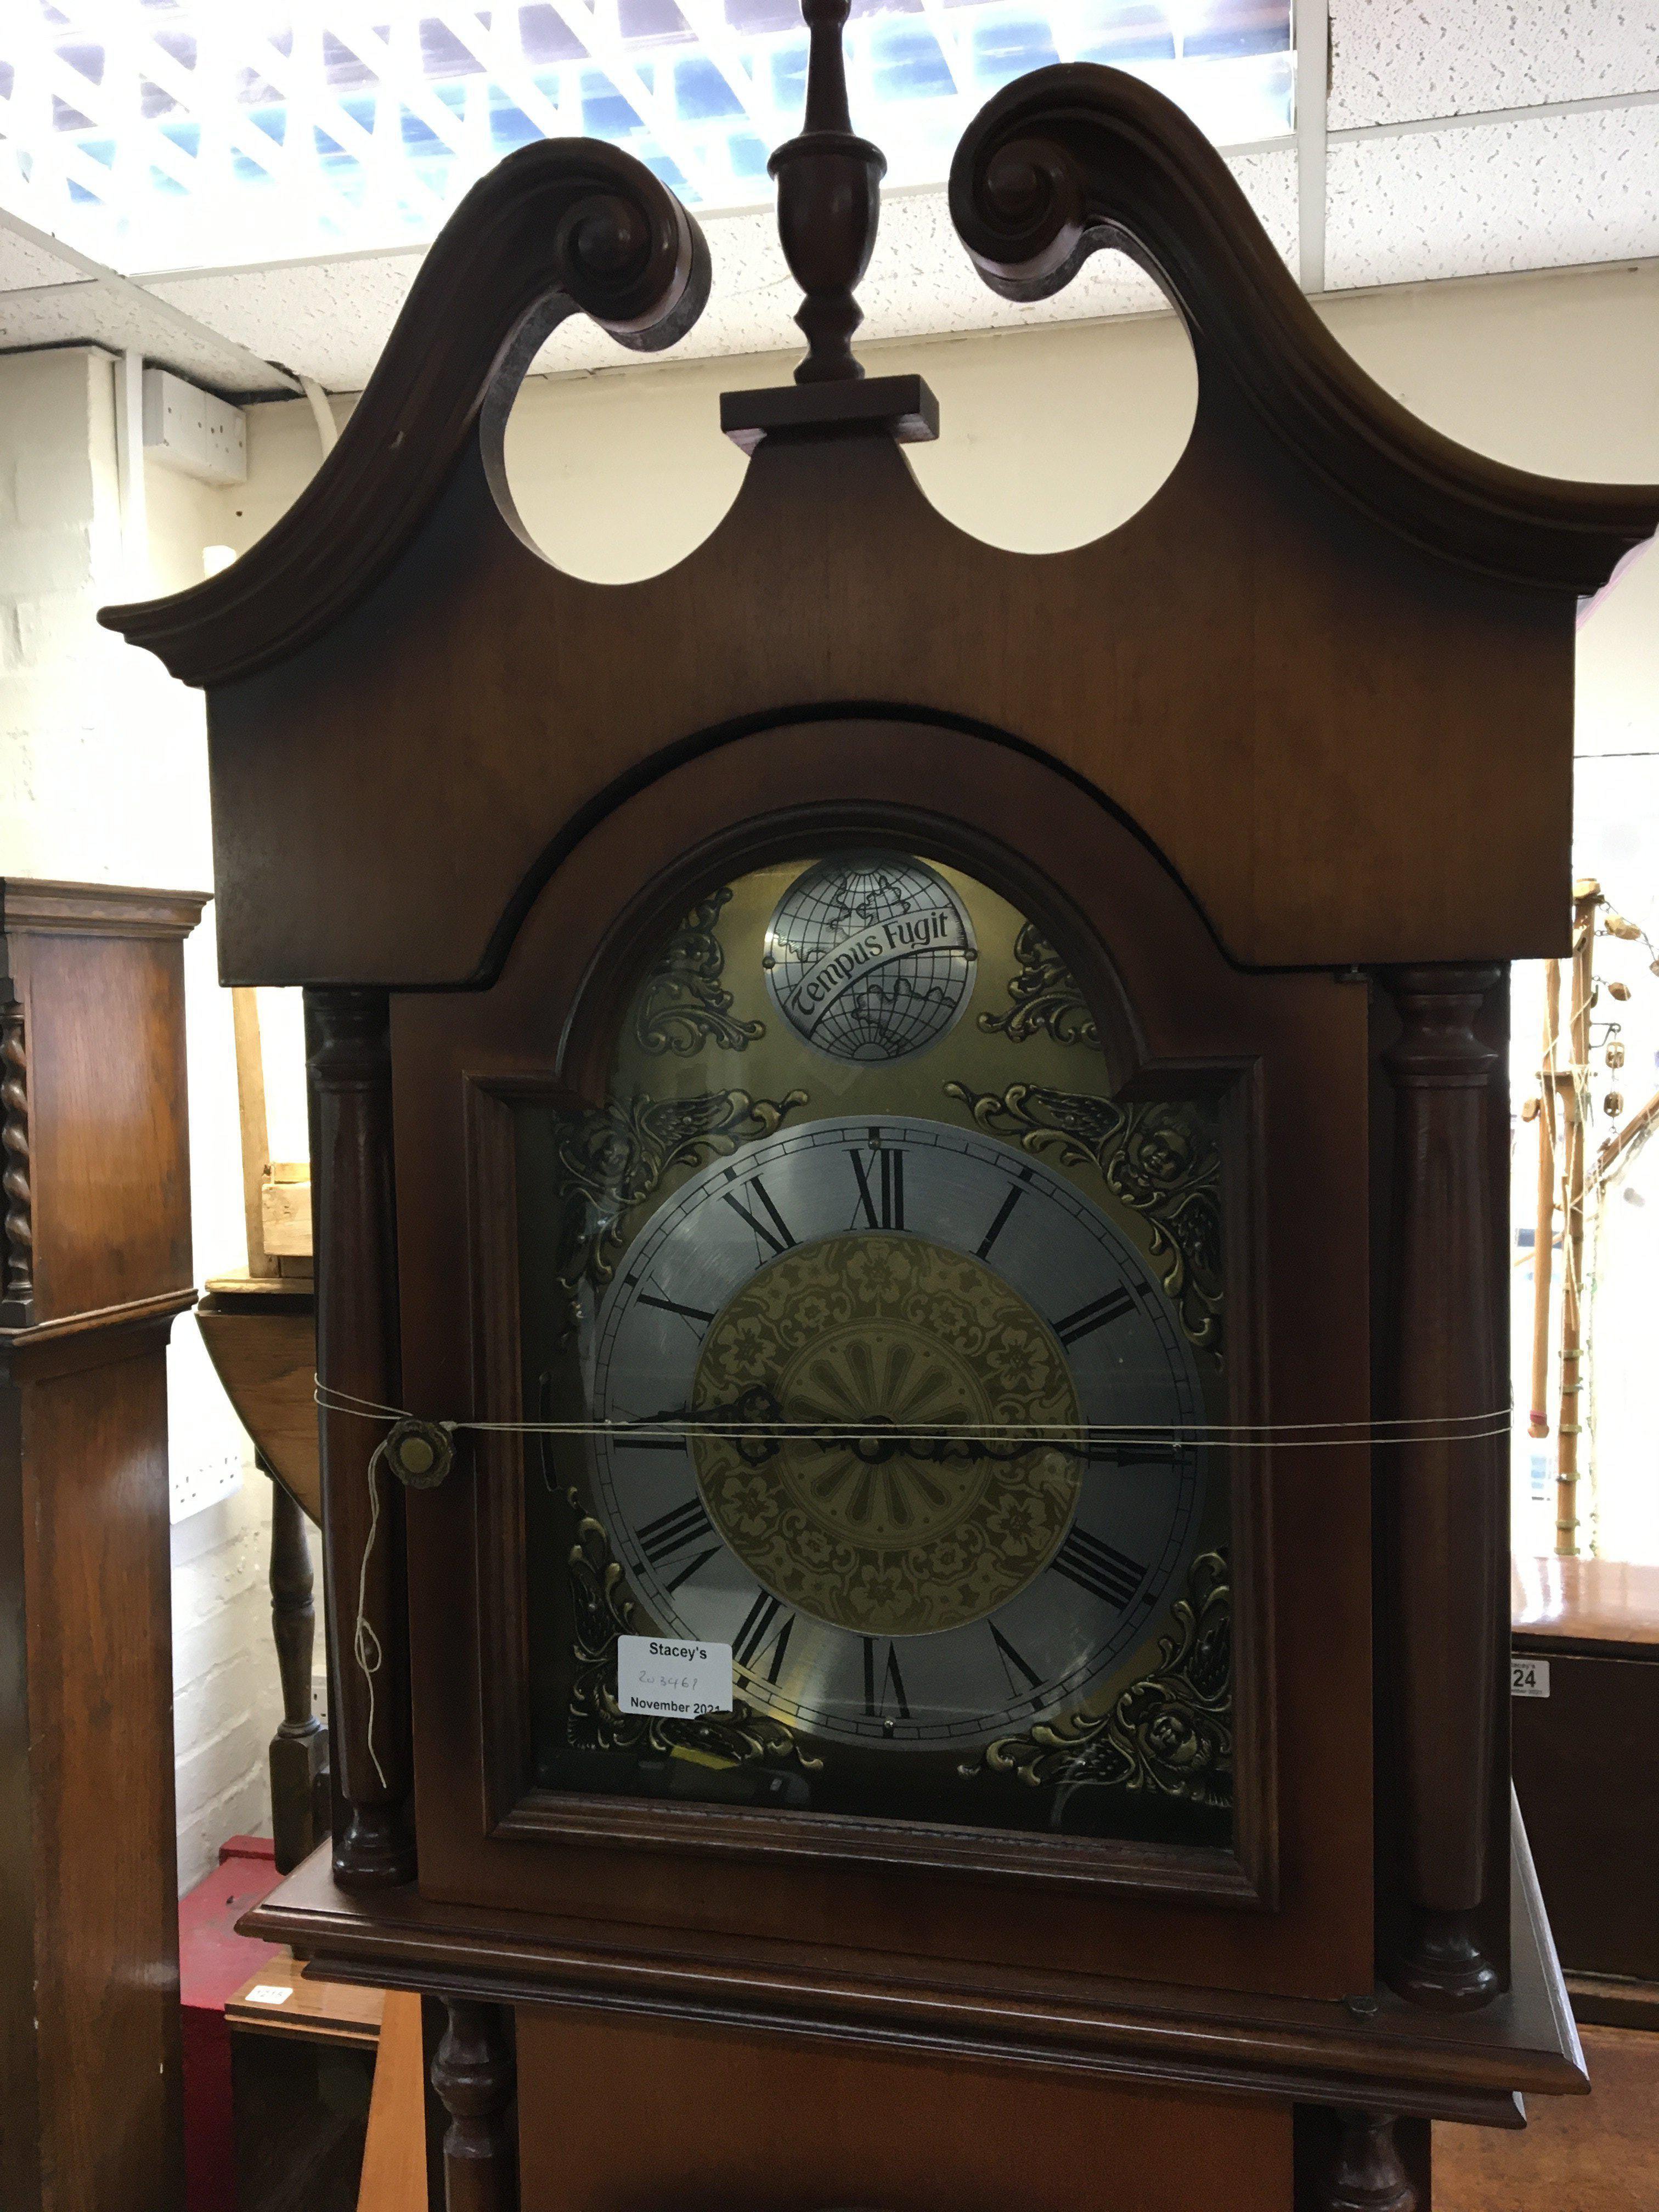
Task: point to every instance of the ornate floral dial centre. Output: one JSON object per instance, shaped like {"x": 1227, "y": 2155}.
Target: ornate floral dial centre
{"x": 908, "y": 1508}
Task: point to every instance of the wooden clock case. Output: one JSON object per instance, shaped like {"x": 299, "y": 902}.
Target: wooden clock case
{"x": 1285, "y": 763}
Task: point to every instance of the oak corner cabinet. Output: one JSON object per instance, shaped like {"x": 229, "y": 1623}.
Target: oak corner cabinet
{"x": 95, "y": 1257}
{"x": 908, "y": 1145}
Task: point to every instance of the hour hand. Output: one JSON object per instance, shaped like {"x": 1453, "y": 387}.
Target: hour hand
{"x": 750, "y": 1422}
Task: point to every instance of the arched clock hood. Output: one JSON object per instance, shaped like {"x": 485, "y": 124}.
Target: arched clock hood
{"x": 1323, "y": 583}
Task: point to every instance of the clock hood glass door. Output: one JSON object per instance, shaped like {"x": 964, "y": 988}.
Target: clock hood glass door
{"x": 880, "y": 1354}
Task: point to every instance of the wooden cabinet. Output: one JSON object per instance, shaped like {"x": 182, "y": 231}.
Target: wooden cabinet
{"x": 1585, "y": 1721}
{"x": 725, "y": 2120}
{"x": 97, "y": 1260}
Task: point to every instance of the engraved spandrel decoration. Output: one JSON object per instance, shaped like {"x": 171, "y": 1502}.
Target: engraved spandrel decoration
{"x": 1155, "y": 1155}
{"x": 604, "y": 1610}
{"x": 683, "y": 1005}
{"x": 613, "y": 1158}
{"x": 1045, "y": 999}
{"x": 1169, "y": 1732}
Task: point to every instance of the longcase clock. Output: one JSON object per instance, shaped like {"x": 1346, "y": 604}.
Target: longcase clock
{"x": 908, "y": 1145}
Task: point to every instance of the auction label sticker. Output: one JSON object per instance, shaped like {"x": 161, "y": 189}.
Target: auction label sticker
{"x": 1530, "y": 1677}
{"x": 672, "y": 1682}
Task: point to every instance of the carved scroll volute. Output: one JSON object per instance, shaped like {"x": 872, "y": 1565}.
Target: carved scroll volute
{"x": 562, "y": 226}
{"x": 1447, "y": 1510}
{"x": 17, "y": 1290}
{"x": 348, "y": 1062}
{"x": 1069, "y": 159}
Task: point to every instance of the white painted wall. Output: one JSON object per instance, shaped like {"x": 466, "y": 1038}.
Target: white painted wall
{"x": 1049, "y": 437}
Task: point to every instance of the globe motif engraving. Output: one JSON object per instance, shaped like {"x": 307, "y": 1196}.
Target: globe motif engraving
{"x": 870, "y": 957}
{"x": 867, "y": 1335}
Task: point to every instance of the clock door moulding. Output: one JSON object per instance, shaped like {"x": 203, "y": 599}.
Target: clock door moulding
{"x": 1285, "y": 1047}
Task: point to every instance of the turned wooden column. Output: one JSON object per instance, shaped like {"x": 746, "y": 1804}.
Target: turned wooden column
{"x": 1448, "y": 1522}
{"x": 1364, "y": 2172}
{"x": 472, "y": 2075}
{"x": 299, "y": 1760}
{"x": 349, "y": 1062}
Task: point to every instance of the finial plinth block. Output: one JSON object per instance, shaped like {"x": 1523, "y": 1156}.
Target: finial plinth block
{"x": 901, "y": 406}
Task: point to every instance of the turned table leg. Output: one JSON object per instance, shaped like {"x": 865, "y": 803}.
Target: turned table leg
{"x": 473, "y": 2076}
{"x": 299, "y": 1750}
{"x": 1365, "y": 2172}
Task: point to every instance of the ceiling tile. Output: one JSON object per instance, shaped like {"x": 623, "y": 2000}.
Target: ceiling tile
{"x": 1269, "y": 183}
{"x": 24, "y": 262}
{"x": 1545, "y": 194}
{"x": 324, "y": 318}
{"x": 117, "y": 314}
{"x": 1395, "y": 61}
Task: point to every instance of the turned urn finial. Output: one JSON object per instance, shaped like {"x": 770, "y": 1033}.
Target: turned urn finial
{"x": 828, "y": 199}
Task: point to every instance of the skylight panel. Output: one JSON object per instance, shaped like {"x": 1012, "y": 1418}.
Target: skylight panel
{"x": 200, "y": 134}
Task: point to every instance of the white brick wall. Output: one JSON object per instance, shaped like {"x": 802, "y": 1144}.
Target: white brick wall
{"x": 224, "y": 1671}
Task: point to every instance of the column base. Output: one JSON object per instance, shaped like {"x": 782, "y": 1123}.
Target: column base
{"x": 376, "y": 1851}
{"x": 1442, "y": 1968}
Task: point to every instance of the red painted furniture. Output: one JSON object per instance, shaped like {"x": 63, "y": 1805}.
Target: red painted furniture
{"x": 213, "y": 1962}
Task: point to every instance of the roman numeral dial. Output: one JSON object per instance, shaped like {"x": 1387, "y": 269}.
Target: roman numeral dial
{"x": 1099, "y": 1568}
{"x": 879, "y": 1174}
{"x": 679, "y": 1542}
{"x": 891, "y": 1339}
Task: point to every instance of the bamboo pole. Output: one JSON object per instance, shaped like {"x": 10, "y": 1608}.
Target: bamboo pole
{"x": 1586, "y": 897}
{"x": 1543, "y": 1245}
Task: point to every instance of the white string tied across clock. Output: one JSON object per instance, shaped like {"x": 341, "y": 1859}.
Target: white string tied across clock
{"x": 436, "y": 1440}
{"x": 1250, "y": 1436}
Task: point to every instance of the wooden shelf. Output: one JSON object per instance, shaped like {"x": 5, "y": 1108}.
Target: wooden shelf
{"x": 325, "y": 2011}
{"x": 1606, "y": 1608}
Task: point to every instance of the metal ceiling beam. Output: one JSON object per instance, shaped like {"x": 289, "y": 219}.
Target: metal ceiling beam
{"x": 161, "y": 314}
{"x": 1610, "y": 103}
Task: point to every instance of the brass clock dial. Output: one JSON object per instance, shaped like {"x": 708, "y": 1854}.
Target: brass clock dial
{"x": 902, "y": 1505}
{"x": 938, "y": 1582}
